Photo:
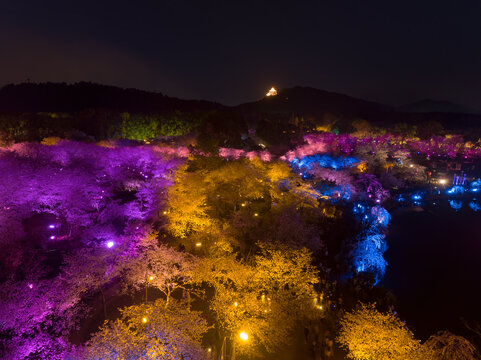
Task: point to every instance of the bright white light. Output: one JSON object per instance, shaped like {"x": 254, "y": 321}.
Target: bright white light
{"x": 443, "y": 181}
{"x": 144, "y": 320}
{"x": 51, "y": 226}
{"x": 52, "y": 237}
{"x": 110, "y": 244}
{"x": 243, "y": 335}
{"x": 198, "y": 244}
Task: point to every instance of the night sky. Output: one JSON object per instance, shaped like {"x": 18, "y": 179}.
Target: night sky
{"x": 232, "y": 51}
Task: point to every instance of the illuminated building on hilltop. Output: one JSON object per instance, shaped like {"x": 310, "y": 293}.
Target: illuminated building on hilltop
{"x": 272, "y": 92}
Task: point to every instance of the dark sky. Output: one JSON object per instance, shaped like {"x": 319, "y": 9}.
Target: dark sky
{"x": 232, "y": 51}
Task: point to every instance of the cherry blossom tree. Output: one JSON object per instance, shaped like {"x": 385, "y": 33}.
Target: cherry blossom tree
{"x": 150, "y": 331}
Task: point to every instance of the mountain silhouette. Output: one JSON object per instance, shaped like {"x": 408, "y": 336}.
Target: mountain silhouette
{"x": 62, "y": 97}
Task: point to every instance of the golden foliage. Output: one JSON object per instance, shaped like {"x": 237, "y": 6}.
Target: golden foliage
{"x": 188, "y": 204}
{"x": 150, "y": 331}
{"x": 265, "y": 298}
{"x": 368, "y": 334}
{"x": 51, "y": 140}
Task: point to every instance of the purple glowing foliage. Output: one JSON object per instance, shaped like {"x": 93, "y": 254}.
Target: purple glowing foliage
{"x": 77, "y": 182}
{"x": 27, "y": 314}
{"x": 236, "y": 154}
{"x": 368, "y": 184}
{"x": 449, "y": 146}
{"x": 337, "y": 177}
{"x": 474, "y": 205}
{"x": 456, "y": 204}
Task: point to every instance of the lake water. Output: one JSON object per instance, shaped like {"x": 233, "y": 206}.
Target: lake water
{"x": 434, "y": 266}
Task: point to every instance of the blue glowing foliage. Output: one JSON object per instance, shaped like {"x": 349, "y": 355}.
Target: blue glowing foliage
{"x": 476, "y": 184}
{"x": 381, "y": 216}
{"x": 342, "y": 192}
{"x": 358, "y": 208}
{"x": 324, "y": 161}
{"x": 456, "y": 204}
{"x": 455, "y": 190}
{"x": 416, "y": 197}
{"x": 474, "y": 205}
{"x": 368, "y": 255}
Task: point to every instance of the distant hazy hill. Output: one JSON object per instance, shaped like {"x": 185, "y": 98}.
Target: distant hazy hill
{"x": 435, "y": 106}
{"x": 61, "y": 97}
{"x": 314, "y": 101}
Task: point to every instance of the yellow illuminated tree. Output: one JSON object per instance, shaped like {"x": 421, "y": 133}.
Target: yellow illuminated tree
{"x": 150, "y": 331}
{"x": 188, "y": 206}
{"x": 368, "y": 334}
{"x": 158, "y": 266}
{"x": 204, "y": 202}
{"x": 266, "y": 297}
{"x": 447, "y": 346}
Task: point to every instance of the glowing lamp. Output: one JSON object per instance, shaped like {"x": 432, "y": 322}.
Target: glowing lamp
{"x": 151, "y": 278}
{"x": 51, "y": 226}
{"x": 144, "y": 320}
{"x": 209, "y": 350}
{"x": 235, "y": 304}
{"x": 110, "y": 244}
{"x": 243, "y": 335}
{"x": 198, "y": 244}
{"x": 52, "y": 237}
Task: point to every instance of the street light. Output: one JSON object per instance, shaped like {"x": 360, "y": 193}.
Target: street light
{"x": 243, "y": 335}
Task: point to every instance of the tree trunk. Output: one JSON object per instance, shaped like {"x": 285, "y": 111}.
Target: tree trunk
{"x": 103, "y": 302}
{"x": 167, "y": 299}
